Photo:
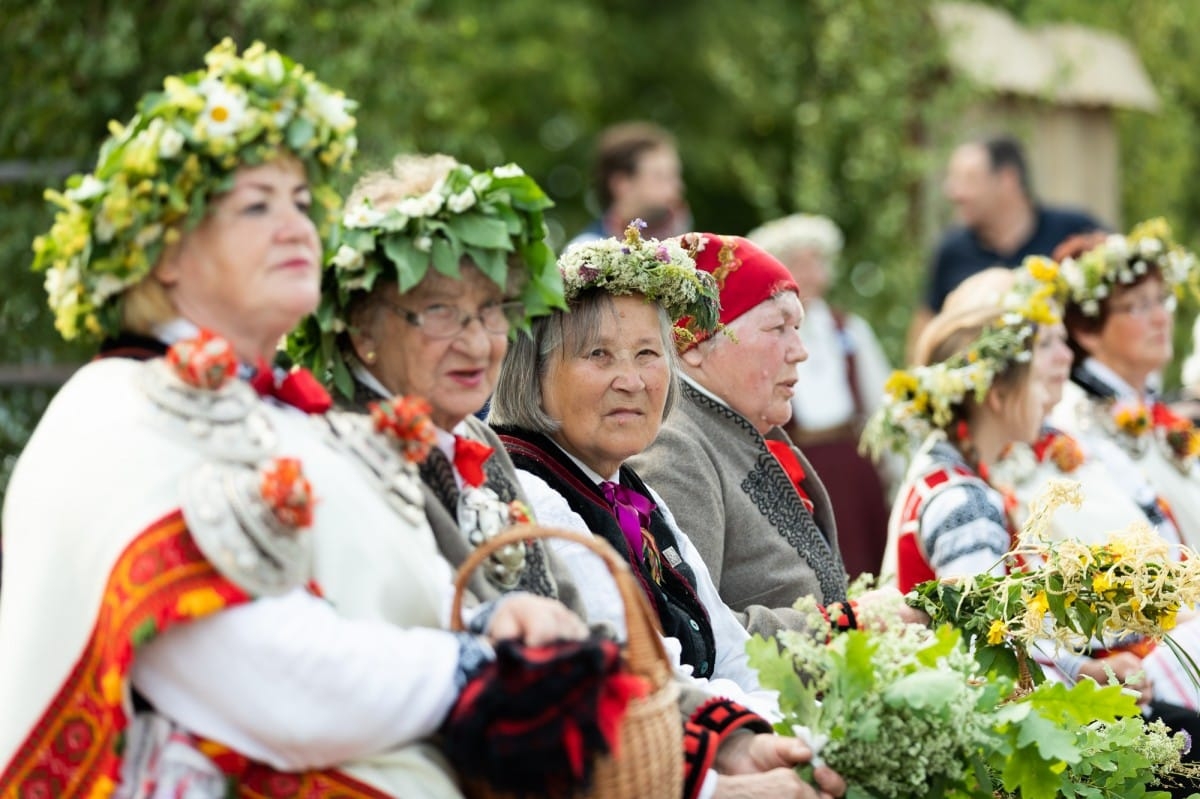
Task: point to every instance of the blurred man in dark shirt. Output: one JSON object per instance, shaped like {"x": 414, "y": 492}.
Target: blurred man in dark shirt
{"x": 638, "y": 176}
{"x": 1000, "y": 222}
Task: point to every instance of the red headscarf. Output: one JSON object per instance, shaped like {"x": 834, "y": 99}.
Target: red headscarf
{"x": 746, "y": 274}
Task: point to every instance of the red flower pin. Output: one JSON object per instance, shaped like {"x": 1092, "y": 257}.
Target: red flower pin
{"x": 405, "y": 420}
{"x": 204, "y": 361}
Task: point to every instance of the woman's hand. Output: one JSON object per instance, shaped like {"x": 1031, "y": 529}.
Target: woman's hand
{"x": 748, "y": 762}
{"x": 534, "y": 621}
{"x": 780, "y": 783}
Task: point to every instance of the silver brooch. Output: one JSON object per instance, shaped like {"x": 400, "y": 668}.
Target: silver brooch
{"x": 482, "y": 515}
{"x": 226, "y": 423}
{"x": 396, "y": 478}
{"x": 239, "y": 531}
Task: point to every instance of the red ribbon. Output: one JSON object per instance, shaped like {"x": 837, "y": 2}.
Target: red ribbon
{"x": 792, "y": 467}
{"x": 1162, "y": 416}
{"x": 298, "y": 388}
{"x": 469, "y": 457}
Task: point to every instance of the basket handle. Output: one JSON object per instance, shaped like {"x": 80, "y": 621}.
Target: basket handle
{"x": 644, "y": 648}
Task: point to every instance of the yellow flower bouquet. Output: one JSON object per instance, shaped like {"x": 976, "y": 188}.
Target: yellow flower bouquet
{"x": 1068, "y": 593}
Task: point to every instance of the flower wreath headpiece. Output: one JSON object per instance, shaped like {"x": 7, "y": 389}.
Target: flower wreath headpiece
{"x": 1119, "y": 260}
{"x": 488, "y": 217}
{"x": 156, "y": 175}
{"x": 663, "y": 271}
{"x": 923, "y": 398}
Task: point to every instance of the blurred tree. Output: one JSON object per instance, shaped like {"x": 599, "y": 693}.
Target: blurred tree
{"x": 817, "y": 105}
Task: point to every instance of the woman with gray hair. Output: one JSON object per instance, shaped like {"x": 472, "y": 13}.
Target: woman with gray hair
{"x": 840, "y": 385}
{"x": 589, "y": 389}
{"x": 585, "y": 390}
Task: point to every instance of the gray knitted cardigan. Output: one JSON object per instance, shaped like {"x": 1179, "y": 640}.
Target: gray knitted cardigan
{"x": 736, "y": 503}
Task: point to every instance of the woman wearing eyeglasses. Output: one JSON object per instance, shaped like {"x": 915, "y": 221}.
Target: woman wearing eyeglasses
{"x": 1120, "y": 320}
{"x": 411, "y": 316}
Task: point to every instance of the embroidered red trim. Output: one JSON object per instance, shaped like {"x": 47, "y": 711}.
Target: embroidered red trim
{"x": 256, "y": 781}
{"x": 911, "y": 565}
{"x": 160, "y": 580}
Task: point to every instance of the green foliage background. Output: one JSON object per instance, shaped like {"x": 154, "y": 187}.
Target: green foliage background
{"x": 834, "y": 106}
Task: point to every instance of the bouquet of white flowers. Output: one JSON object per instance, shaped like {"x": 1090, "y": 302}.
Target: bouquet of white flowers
{"x": 907, "y": 712}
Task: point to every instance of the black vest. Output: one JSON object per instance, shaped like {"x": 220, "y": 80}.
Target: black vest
{"x": 679, "y": 610}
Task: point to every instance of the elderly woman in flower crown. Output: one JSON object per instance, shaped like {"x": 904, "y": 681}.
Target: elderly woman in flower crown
{"x": 585, "y": 390}
{"x": 403, "y": 323}
{"x": 421, "y": 295}
{"x": 173, "y": 523}
{"x": 752, "y": 502}
{"x": 1120, "y": 321}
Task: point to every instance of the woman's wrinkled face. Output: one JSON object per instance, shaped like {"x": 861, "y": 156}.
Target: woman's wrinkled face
{"x": 1135, "y": 341}
{"x": 457, "y": 373}
{"x": 250, "y": 270}
{"x": 1051, "y": 363}
{"x": 752, "y": 365}
{"x": 609, "y": 397}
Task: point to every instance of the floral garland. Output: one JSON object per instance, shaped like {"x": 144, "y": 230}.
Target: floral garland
{"x": 664, "y": 272}
{"x": 156, "y": 175}
{"x": 923, "y": 398}
{"x": 1135, "y": 424}
{"x": 1120, "y": 260}
{"x": 487, "y": 216}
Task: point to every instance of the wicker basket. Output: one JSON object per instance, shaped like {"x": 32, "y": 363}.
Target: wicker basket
{"x": 651, "y": 734}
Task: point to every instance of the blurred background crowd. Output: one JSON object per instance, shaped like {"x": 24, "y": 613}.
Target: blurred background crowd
{"x": 847, "y": 110}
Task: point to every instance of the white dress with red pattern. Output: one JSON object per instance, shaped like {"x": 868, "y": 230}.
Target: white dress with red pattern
{"x": 106, "y": 592}
{"x": 1152, "y": 455}
{"x": 946, "y": 520}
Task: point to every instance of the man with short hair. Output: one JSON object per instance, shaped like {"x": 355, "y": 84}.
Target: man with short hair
{"x": 637, "y": 175}
{"x": 1001, "y": 222}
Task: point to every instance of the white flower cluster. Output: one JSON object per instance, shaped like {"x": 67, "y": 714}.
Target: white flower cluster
{"x": 155, "y": 175}
{"x": 914, "y": 721}
{"x": 662, "y": 271}
{"x": 1121, "y": 260}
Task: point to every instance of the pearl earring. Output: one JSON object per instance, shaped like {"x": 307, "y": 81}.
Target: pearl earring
{"x": 370, "y": 357}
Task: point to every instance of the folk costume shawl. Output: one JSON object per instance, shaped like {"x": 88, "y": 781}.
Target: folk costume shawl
{"x": 99, "y": 561}
{"x": 1086, "y": 411}
{"x": 732, "y": 497}
{"x": 1024, "y": 471}
{"x": 668, "y": 583}
{"x": 542, "y": 574}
